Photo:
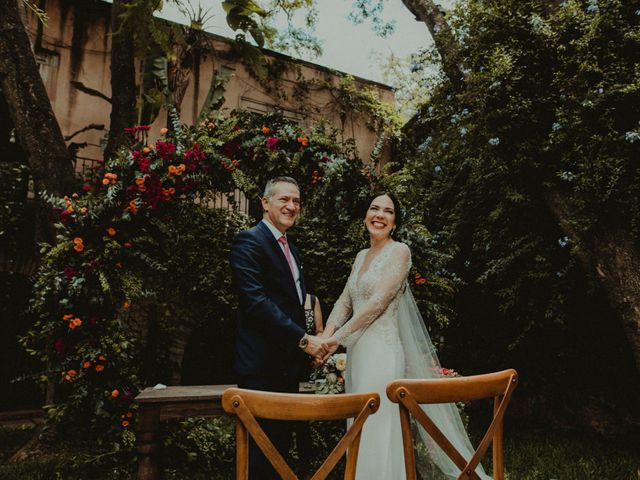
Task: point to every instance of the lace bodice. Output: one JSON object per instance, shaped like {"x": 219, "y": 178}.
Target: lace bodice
{"x": 370, "y": 297}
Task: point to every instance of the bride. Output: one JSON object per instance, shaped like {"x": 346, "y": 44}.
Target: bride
{"x": 377, "y": 319}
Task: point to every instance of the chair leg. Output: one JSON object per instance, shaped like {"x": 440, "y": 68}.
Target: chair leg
{"x": 498, "y": 445}
{"x": 407, "y": 444}
{"x": 242, "y": 451}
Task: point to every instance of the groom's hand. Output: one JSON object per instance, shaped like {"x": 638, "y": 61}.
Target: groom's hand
{"x": 315, "y": 347}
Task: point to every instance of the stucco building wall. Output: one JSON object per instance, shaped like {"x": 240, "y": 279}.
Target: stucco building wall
{"x": 74, "y": 46}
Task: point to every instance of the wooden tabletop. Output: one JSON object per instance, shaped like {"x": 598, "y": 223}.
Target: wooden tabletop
{"x": 181, "y": 393}
{"x": 191, "y": 393}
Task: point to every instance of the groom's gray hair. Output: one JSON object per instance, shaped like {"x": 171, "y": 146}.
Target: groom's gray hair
{"x": 268, "y": 189}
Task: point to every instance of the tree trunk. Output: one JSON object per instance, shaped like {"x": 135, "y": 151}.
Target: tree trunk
{"x": 30, "y": 108}
{"x": 123, "y": 80}
{"x": 427, "y": 11}
{"x": 613, "y": 257}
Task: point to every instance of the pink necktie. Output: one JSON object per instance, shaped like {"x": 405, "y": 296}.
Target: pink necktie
{"x": 287, "y": 254}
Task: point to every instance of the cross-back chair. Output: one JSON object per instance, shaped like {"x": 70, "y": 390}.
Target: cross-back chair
{"x": 409, "y": 394}
{"x": 249, "y": 405}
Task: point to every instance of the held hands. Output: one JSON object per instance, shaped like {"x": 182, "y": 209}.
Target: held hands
{"x": 315, "y": 347}
{"x": 331, "y": 345}
{"x": 320, "y": 348}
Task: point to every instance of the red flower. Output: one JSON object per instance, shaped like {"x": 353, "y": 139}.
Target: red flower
{"x": 58, "y": 345}
{"x": 230, "y": 149}
{"x": 69, "y": 272}
{"x": 271, "y": 143}
{"x": 164, "y": 149}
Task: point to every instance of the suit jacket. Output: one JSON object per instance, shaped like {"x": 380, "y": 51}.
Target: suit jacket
{"x": 270, "y": 319}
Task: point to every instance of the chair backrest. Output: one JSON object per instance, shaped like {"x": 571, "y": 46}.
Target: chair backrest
{"x": 248, "y": 405}
{"x": 410, "y": 393}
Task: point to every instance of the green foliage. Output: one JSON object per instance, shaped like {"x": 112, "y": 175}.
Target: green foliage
{"x": 529, "y": 455}
{"x": 550, "y": 103}
{"x": 140, "y": 260}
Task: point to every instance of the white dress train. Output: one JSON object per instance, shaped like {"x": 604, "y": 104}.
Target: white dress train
{"x": 377, "y": 320}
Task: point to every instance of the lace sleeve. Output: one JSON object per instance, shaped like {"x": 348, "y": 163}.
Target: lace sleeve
{"x": 396, "y": 268}
{"x": 343, "y": 306}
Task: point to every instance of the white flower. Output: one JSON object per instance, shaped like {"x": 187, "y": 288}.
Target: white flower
{"x": 331, "y": 378}
{"x": 341, "y": 361}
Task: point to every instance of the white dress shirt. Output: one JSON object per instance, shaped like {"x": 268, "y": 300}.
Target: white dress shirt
{"x": 296, "y": 270}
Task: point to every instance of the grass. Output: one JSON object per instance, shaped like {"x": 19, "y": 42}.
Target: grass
{"x": 570, "y": 456}
{"x": 529, "y": 455}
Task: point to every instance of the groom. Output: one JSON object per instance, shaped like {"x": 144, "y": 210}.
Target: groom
{"x": 272, "y": 348}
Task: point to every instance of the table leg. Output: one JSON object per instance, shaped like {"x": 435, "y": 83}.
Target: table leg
{"x": 148, "y": 440}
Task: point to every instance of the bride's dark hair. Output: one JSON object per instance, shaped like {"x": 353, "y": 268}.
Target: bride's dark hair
{"x": 396, "y": 206}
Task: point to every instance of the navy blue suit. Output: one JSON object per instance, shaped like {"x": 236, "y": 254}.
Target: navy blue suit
{"x": 270, "y": 324}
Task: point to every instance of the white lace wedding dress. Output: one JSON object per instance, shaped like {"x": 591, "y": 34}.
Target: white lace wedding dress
{"x": 377, "y": 320}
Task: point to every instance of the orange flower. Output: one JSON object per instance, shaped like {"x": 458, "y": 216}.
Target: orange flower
{"x": 133, "y": 208}
{"x": 124, "y": 423}
{"x": 129, "y": 414}
{"x": 304, "y": 141}
{"x": 115, "y": 393}
{"x": 78, "y": 244}
{"x": 75, "y": 195}
{"x": 99, "y": 368}
{"x": 109, "y": 178}
{"x": 75, "y": 323}
{"x": 111, "y": 231}
{"x": 102, "y": 358}
{"x": 127, "y": 245}
{"x": 83, "y": 210}
{"x": 146, "y": 150}
{"x": 265, "y": 130}
{"x": 179, "y": 170}
{"x": 68, "y": 316}
{"x": 72, "y": 373}
{"x": 86, "y": 364}
{"x": 126, "y": 305}
{"x": 164, "y": 131}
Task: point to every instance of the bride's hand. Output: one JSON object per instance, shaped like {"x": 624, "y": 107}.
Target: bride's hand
{"x": 327, "y": 332}
{"x": 331, "y": 345}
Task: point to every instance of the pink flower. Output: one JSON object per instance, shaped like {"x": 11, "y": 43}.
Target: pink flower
{"x": 271, "y": 143}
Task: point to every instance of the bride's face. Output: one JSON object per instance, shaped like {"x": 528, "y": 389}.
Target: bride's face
{"x": 381, "y": 217}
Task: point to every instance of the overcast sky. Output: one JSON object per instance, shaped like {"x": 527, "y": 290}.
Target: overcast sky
{"x": 347, "y": 47}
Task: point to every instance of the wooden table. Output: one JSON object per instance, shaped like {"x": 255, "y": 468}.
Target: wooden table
{"x": 173, "y": 403}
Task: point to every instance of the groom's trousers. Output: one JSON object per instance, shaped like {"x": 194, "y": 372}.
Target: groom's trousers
{"x": 279, "y": 432}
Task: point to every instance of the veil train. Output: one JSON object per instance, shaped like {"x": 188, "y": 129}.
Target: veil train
{"x": 421, "y": 362}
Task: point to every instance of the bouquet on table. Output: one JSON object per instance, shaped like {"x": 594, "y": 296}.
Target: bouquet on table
{"x": 329, "y": 378}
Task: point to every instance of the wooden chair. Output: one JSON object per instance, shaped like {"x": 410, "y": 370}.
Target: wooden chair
{"x": 247, "y": 405}
{"x": 409, "y": 394}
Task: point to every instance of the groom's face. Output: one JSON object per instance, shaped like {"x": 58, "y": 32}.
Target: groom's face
{"x": 283, "y": 207}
